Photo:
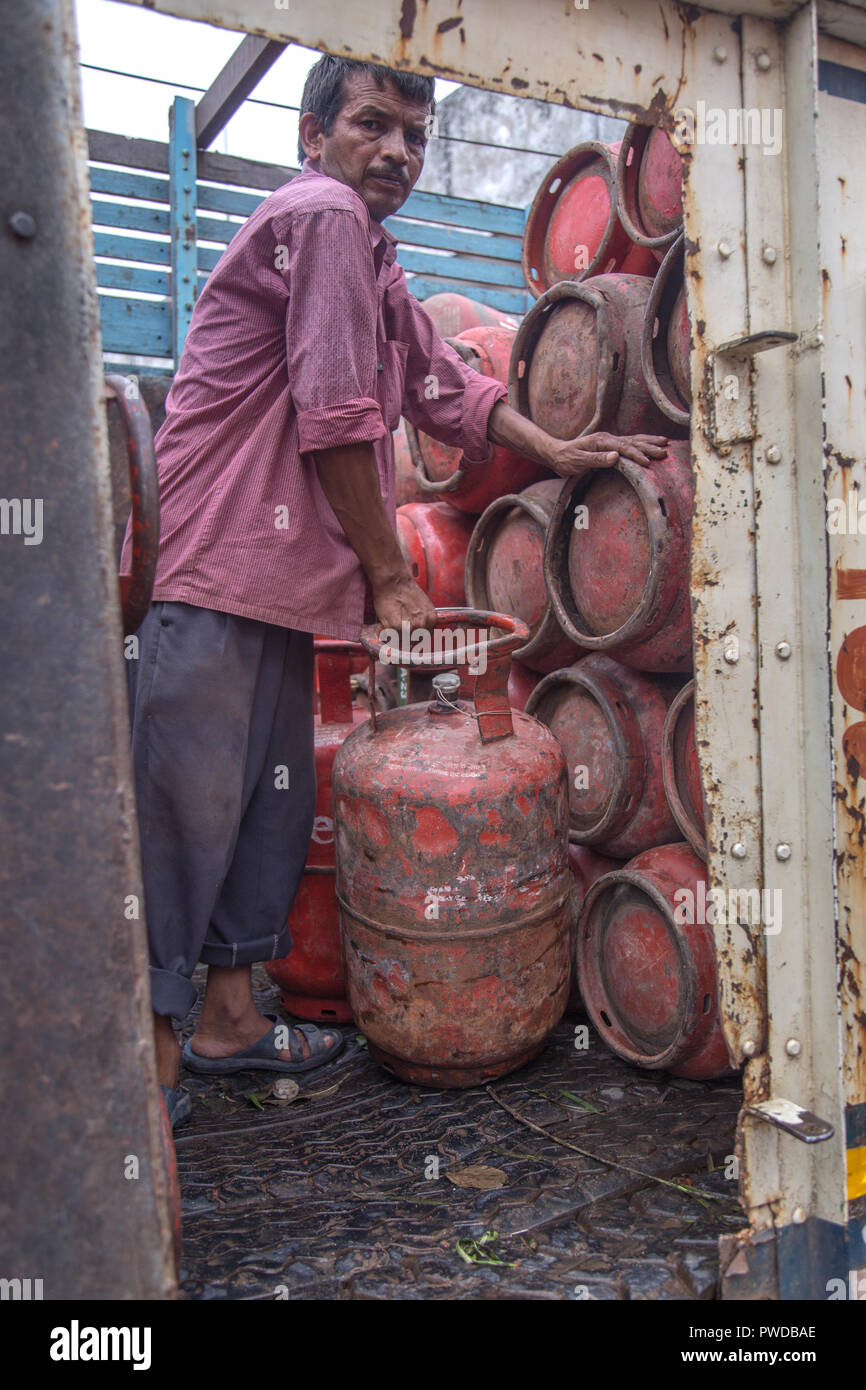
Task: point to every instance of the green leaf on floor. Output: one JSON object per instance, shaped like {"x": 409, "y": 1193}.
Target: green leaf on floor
{"x": 584, "y": 1104}
{"x": 472, "y": 1251}
{"x": 254, "y": 1099}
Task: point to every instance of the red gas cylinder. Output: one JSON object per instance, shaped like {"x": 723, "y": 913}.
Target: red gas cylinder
{"x": 505, "y": 571}
{"x": 666, "y": 340}
{"x": 649, "y": 180}
{"x": 452, "y": 873}
{"x": 586, "y": 866}
{"x": 311, "y": 975}
{"x": 682, "y": 771}
{"x": 647, "y": 966}
{"x": 609, "y": 721}
{"x": 572, "y": 229}
{"x": 439, "y": 469}
{"x": 576, "y": 365}
{"x": 434, "y": 539}
{"x": 617, "y": 561}
{"x": 406, "y": 479}
{"x": 454, "y": 313}
{"x": 521, "y": 684}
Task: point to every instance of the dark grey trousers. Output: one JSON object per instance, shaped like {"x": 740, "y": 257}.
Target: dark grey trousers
{"x": 222, "y": 747}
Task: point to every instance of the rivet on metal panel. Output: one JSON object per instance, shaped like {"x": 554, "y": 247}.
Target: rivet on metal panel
{"x": 725, "y": 249}
{"x": 749, "y": 1048}
{"x": 774, "y": 454}
{"x": 732, "y": 651}
{"x": 770, "y": 255}
{"x": 793, "y": 1048}
{"x": 720, "y": 54}
{"x": 23, "y": 225}
{"x": 798, "y": 1215}
{"x": 763, "y": 61}
{"x": 783, "y": 852}
{"x": 783, "y": 650}
{"x": 738, "y": 850}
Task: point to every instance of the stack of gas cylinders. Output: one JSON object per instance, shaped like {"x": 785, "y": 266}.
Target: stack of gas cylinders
{"x": 595, "y": 573}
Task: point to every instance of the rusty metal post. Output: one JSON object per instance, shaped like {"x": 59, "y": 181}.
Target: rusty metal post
{"x": 84, "y": 1194}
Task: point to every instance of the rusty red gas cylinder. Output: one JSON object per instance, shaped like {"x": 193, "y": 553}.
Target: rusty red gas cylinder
{"x": 666, "y": 340}
{"x": 617, "y": 561}
{"x": 647, "y": 967}
{"x": 682, "y": 771}
{"x": 505, "y": 571}
{"x": 310, "y": 977}
{"x": 576, "y": 364}
{"x": 572, "y": 229}
{"x": 649, "y": 179}
{"x": 434, "y": 539}
{"x": 440, "y": 471}
{"x": 406, "y": 480}
{"x": 521, "y": 683}
{"x": 609, "y": 721}
{"x": 451, "y": 870}
{"x": 586, "y": 866}
{"x": 454, "y": 313}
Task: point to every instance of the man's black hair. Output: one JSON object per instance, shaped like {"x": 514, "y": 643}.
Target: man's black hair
{"x": 324, "y": 89}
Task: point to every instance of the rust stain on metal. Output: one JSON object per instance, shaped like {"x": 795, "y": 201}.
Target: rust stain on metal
{"x": 850, "y": 583}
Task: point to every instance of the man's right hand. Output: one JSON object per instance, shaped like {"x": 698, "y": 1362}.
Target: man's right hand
{"x": 399, "y": 600}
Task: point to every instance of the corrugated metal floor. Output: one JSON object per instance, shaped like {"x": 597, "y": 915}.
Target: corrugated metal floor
{"x": 334, "y": 1194}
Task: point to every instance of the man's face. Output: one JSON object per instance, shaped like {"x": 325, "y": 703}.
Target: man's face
{"x": 376, "y": 146}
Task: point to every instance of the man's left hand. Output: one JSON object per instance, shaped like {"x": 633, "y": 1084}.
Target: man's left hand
{"x": 570, "y": 456}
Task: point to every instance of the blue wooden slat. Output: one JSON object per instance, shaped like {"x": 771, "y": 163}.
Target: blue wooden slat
{"x": 128, "y": 277}
{"x": 135, "y": 326}
{"x": 211, "y": 229}
{"x": 128, "y": 216}
{"x": 131, "y": 248}
{"x": 139, "y": 369}
{"x": 228, "y": 200}
{"x": 509, "y": 300}
{"x": 124, "y": 184}
{"x": 463, "y": 212}
{"x": 453, "y": 239}
{"x": 182, "y": 212}
{"x": 499, "y": 273}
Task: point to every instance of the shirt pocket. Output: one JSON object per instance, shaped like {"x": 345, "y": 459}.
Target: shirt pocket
{"x": 390, "y": 377}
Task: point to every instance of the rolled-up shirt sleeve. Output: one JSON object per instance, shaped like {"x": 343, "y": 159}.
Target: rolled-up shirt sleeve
{"x": 442, "y": 395}
{"x": 331, "y": 318}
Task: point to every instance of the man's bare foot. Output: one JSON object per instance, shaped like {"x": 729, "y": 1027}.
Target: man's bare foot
{"x": 230, "y": 1021}
{"x": 167, "y": 1051}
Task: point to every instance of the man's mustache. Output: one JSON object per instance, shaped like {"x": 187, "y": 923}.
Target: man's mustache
{"x": 394, "y": 174}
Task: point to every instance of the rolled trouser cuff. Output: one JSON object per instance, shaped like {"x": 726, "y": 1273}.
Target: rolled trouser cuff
{"x": 247, "y": 952}
{"x": 171, "y": 994}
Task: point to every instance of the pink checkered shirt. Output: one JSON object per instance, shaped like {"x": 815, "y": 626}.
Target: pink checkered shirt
{"x": 305, "y": 337}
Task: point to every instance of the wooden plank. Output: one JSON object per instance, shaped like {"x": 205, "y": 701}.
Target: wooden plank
{"x": 228, "y": 200}
{"x": 138, "y": 369}
{"x": 126, "y": 185}
{"x": 230, "y": 88}
{"x": 213, "y": 229}
{"x": 108, "y": 148}
{"x": 134, "y": 326}
{"x": 456, "y": 239}
{"x": 130, "y": 248}
{"x": 464, "y": 212}
{"x": 243, "y": 173}
{"x": 498, "y": 273}
{"x": 127, "y": 277}
{"x": 422, "y": 286}
{"x": 129, "y": 217}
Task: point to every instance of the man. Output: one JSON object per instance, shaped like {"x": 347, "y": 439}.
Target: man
{"x": 277, "y": 501}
